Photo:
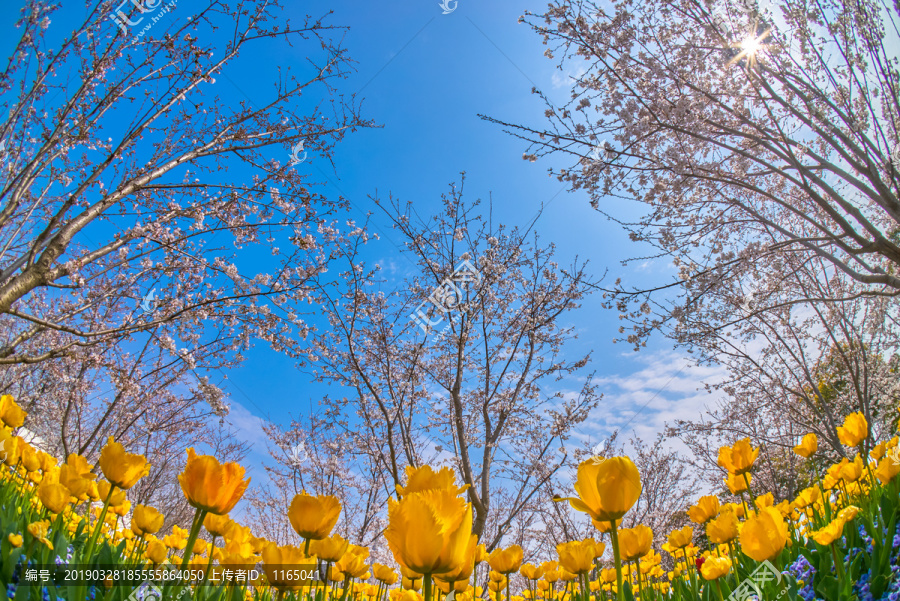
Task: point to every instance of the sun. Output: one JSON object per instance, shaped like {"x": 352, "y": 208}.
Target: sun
{"x": 750, "y": 48}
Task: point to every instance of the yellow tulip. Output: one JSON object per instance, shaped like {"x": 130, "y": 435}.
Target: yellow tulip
{"x": 122, "y": 509}
{"x": 739, "y": 458}
{"x": 353, "y": 563}
{"x": 419, "y": 479}
{"x": 809, "y": 444}
{"x": 200, "y": 546}
{"x": 121, "y": 468}
{"x": 236, "y": 561}
{"x": 212, "y": 486}
{"x": 481, "y": 554}
{"x": 878, "y": 450}
{"x": 723, "y": 529}
{"x": 177, "y": 539}
{"x": 497, "y": 586}
{"x": 784, "y": 508}
{"x": 75, "y": 482}
{"x": 30, "y": 459}
{"x": 54, "y": 496}
{"x": 852, "y": 471}
{"x": 531, "y": 571}
{"x": 430, "y": 532}
{"x": 10, "y": 448}
{"x": 736, "y": 484}
{"x": 445, "y": 586}
{"x": 314, "y": 518}
{"x": 15, "y": 540}
{"x": 835, "y": 470}
{"x": 383, "y": 574}
{"x": 240, "y": 541}
{"x": 118, "y": 495}
{"x": 218, "y": 525}
{"x": 464, "y": 570}
{"x": 506, "y": 560}
{"x": 848, "y": 513}
{"x": 715, "y": 567}
{"x": 603, "y": 527}
{"x": 279, "y": 565}
{"x": 10, "y": 413}
{"x": 257, "y": 543}
{"x": 635, "y": 542}
{"x": 854, "y": 431}
{"x": 828, "y": 533}
{"x": 48, "y": 461}
{"x": 330, "y": 549}
{"x": 79, "y": 465}
{"x": 766, "y": 500}
{"x": 887, "y": 469}
{"x": 706, "y": 508}
{"x": 39, "y": 530}
{"x": 155, "y": 552}
{"x": 577, "y": 556}
{"x": 807, "y": 497}
{"x": 146, "y": 520}
{"x": 680, "y": 539}
{"x": 764, "y": 534}
{"x": 606, "y": 490}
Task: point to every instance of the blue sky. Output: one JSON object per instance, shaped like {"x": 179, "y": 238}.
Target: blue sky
{"x": 425, "y": 77}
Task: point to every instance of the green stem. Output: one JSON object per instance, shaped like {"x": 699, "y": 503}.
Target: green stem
{"x": 212, "y": 546}
{"x": 426, "y": 586}
{"x": 734, "y": 563}
{"x": 614, "y": 536}
{"x": 637, "y": 565}
{"x": 346, "y": 587}
{"x": 719, "y": 589}
{"x": 749, "y": 492}
{"x": 838, "y": 565}
{"x": 687, "y": 566}
{"x": 199, "y": 516}
{"x": 89, "y": 548}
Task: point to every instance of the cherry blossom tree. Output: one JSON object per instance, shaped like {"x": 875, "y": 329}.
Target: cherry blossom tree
{"x": 154, "y": 222}
{"x": 759, "y": 141}
{"x": 483, "y": 391}
{"x": 793, "y": 369}
{"x": 669, "y": 488}
{"x": 136, "y": 196}
{"x": 145, "y": 398}
{"x": 745, "y": 131}
{"x": 319, "y": 454}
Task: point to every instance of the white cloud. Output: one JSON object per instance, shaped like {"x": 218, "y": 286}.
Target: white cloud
{"x": 667, "y": 387}
{"x": 567, "y": 79}
{"x": 248, "y": 427}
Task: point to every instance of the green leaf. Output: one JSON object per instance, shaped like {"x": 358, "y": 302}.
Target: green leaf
{"x": 878, "y": 585}
{"x": 828, "y": 587}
